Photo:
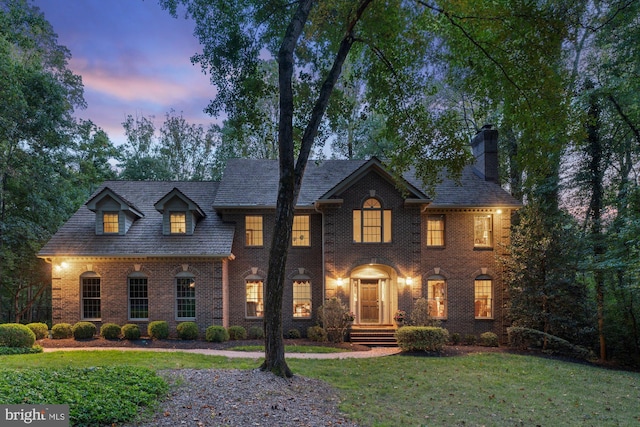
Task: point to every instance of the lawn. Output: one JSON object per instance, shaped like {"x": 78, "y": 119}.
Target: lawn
{"x": 496, "y": 389}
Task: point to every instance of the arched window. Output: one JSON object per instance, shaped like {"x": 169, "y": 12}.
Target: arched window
{"x": 437, "y": 297}
{"x": 137, "y": 284}
{"x": 90, "y": 296}
{"x": 302, "y": 297}
{"x": 483, "y": 297}
{"x": 372, "y": 224}
{"x": 185, "y": 296}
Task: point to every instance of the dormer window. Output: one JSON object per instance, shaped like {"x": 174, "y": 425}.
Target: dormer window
{"x": 114, "y": 214}
{"x": 178, "y": 222}
{"x": 110, "y": 222}
{"x": 180, "y": 214}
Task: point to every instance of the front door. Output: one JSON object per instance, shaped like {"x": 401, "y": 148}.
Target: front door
{"x": 369, "y": 302}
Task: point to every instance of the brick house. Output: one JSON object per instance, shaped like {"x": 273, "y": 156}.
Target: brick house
{"x": 198, "y": 251}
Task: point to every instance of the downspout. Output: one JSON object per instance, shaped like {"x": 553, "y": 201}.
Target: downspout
{"x": 324, "y": 275}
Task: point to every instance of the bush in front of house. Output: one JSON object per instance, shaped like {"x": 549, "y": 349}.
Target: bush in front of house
{"x": 469, "y": 339}
{"x": 5, "y": 351}
{"x": 16, "y": 335}
{"x": 131, "y": 331}
{"x": 237, "y": 333}
{"x": 216, "y": 333}
{"x": 455, "y": 338}
{"x": 83, "y": 330}
{"x": 524, "y": 338}
{"x": 294, "y": 334}
{"x": 255, "y": 333}
{"x": 316, "y": 333}
{"x": 488, "y": 339}
{"x": 40, "y": 329}
{"x": 335, "y": 318}
{"x": 420, "y": 314}
{"x": 61, "y": 331}
{"x": 422, "y": 338}
{"x": 110, "y": 331}
{"x": 188, "y": 331}
{"x": 158, "y": 330}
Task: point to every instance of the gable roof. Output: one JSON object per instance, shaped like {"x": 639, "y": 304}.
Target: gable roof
{"x": 211, "y": 238}
{"x": 125, "y": 205}
{"x": 191, "y": 205}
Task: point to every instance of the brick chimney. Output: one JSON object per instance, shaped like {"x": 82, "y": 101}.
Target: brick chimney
{"x": 485, "y": 151}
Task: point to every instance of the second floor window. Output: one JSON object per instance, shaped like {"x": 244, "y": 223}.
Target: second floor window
{"x": 110, "y": 222}
{"x": 178, "y": 221}
{"x": 435, "y": 230}
{"x": 372, "y": 224}
{"x": 253, "y": 230}
{"x": 300, "y": 233}
{"x": 482, "y": 231}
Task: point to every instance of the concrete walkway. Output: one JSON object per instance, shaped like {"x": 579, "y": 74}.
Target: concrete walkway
{"x": 374, "y": 352}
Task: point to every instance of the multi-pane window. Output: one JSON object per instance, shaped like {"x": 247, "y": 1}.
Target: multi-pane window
{"x": 138, "y": 298}
{"x": 185, "y": 298}
{"x": 254, "y": 298}
{"x": 110, "y": 222}
{"x": 302, "y": 298}
{"x": 483, "y": 298}
{"x": 253, "y": 230}
{"x": 372, "y": 224}
{"x": 435, "y": 230}
{"x": 300, "y": 233}
{"x": 482, "y": 230}
{"x": 437, "y": 296}
{"x": 178, "y": 222}
{"x": 90, "y": 298}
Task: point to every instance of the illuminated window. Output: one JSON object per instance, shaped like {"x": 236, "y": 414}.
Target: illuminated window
{"x": 372, "y": 224}
{"x": 437, "y": 296}
{"x": 482, "y": 230}
{"x": 435, "y": 230}
{"x": 138, "y": 298}
{"x": 185, "y": 298}
{"x": 110, "y": 222}
{"x": 253, "y": 230}
{"x": 90, "y": 294}
{"x": 483, "y": 297}
{"x": 254, "y": 298}
{"x": 178, "y": 221}
{"x": 302, "y": 298}
{"x": 300, "y": 233}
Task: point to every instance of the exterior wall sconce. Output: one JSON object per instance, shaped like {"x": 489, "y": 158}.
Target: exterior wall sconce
{"x": 340, "y": 281}
{"x": 62, "y": 266}
{"x": 499, "y": 211}
{"x": 409, "y": 281}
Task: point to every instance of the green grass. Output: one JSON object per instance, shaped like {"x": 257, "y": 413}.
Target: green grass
{"x": 292, "y": 349}
{"x": 494, "y": 389}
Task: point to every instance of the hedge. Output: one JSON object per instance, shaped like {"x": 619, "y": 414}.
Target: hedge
{"x": 84, "y": 330}
{"x": 61, "y": 331}
{"x": 216, "y": 334}
{"x": 16, "y": 335}
{"x": 110, "y": 331}
{"x": 237, "y": 333}
{"x": 40, "y": 329}
{"x": 422, "y": 338}
{"x": 188, "y": 331}
{"x": 131, "y": 331}
{"x": 158, "y": 329}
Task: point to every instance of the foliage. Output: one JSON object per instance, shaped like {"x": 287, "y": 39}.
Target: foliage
{"x": 400, "y": 316}
{"x": 110, "y": 331}
{"x": 16, "y": 335}
{"x": 158, "y": 329}
{"x": 469, "y": 339}
{"x": 420, "y": 315}
{"x": 317, "y": 333}
{"x": 294, "y": 334}
{"x": 20, "y": 350}
{"x": 422, "y": 338}
{"x": 455, "y": 338}
{"x": 334, "y": 317}
{"x": 96, "y": 396}
{"x": 255, "y": 333}
{"x": 216, "y": 333}
{"x": 237, "y": 333}
{"x": 131, "y": 331}
{"x": 488, "y": 339}
{"x": 83, "y": 330}
{"x": 61, "y": 331}
{"x": 524, "y": 338}
{"x": 41, "y": 330}
{"x": 188, "y": 331}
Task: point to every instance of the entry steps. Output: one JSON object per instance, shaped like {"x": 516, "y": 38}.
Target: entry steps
{"x": 374, "y": 335}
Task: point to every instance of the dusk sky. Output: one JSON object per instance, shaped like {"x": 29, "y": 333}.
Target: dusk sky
{"x": 134, "y": 58}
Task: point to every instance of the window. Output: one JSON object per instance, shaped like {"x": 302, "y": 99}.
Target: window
{"x": 138, "y": 298}
{"x": 185, "y": 298}
{"x": 482, "y": 230}
{"x": 110, "y": 222}
{"x": 90, "y": 297}
{"x": 300, "y": 234}
{"x": 253, "y": 230}
{"x": 437, "y": 296}
{"x": 483, "y": 298}
{"x": 435, "y": 230}
{"x": 178, "y": 222}
{"x": 254, "y": 295}
{"x": 372, "y": 224}
{"x": 302, "y": 298}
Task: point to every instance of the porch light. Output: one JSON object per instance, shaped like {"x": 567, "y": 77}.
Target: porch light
{"x": 499, "y": 211}
{"x": 62, "y": 266}
{"x": 340, "y": 281}
{"x": 409, "y": 281}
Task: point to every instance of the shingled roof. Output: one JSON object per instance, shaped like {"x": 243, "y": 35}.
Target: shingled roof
{"x": 211, "y": 238}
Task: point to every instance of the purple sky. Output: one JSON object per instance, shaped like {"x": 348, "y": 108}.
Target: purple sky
{"x": 134, "y": 58}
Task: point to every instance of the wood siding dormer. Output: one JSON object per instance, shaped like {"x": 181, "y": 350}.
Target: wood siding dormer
{"x": 176, "y": 203}
{"x": 108, "y": 203}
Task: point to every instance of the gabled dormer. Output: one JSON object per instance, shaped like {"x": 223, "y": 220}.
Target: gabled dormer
{"x": 114, "y": 214}
{"x": 180, "y": 214}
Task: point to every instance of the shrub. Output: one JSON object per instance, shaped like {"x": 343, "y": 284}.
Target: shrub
{"x": 422, "y": 338}
{"x": 16, "y": 335}
{"x": 335, "y": 318}
{"x": 84, "y": 330}
{"x": 20, "y": 350}
{"x": 216, "y": 334}
{"x": 316, "y": 333}
{"x": 294, "y": 334}
{"x": 255, "y": 333}
{"x": 420, "y": 315}
{"x": 469, "y": 339}
{"x": 488, "y": 339}
{"x": 455, "y": 338}
{"x": 131, "y": 331}
{"x": 110, "y": 331}
{"x": 61, "y": 331}
{"x": 523, "y": 338}
{"x": 41, "y": 330}
{"x": 188, "y": 331}
{"x": 158, "y": 329}
{"x": 237, "y": 333}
